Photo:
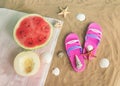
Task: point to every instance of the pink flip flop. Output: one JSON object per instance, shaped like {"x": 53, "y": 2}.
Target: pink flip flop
{"x": 92, "y": 40}
{"x": 74, "y": 51}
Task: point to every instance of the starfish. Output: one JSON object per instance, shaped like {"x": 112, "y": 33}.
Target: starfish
{"x": 89, "y": 54}
{"x": 64, "y": 12}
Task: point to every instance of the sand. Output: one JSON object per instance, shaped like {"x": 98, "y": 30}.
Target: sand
{"x": 104, "y": 12}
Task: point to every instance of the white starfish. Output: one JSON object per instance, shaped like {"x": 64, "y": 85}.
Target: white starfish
{"x": 64, "y": 12}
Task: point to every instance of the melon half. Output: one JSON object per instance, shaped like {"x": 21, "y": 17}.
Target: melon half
{"x": 32, "y": 31}
{"x": 27, "y": 63}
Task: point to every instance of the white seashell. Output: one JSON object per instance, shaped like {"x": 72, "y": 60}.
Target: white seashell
{"x": 81, "y": 17}
{"x": 60, "y": 54}
{"x": 56, "y": 71}
{"x": 104, "y": 63}
{"x": 78, "y": 63}
{"x": 89, "y": 47}
{"x": 46, "y": 57}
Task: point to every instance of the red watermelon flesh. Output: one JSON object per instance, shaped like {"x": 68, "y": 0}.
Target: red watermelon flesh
{"x": 32, "y": 31}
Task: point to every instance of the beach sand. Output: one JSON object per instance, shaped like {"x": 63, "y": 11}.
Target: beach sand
{"x": 104, "y": 12}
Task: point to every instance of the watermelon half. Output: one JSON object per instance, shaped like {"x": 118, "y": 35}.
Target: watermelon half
{"x": 32, "y": 31}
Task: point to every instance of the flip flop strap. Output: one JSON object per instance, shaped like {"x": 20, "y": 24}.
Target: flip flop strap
{"x": 92, "y": 36}
{"x": 72, "y": 41}
{"x": 95, "y": 30}
{"x": 74, "y": 48}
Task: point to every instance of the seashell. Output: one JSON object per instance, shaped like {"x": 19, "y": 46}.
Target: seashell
{"x": 56, "y": 71}
{"x": 60, "y": 54}
{"x": 104, "y": 63}
{"x": 81, "y": 17}
{"x": 78, "y": 62}
{"x": 89, "y": 47}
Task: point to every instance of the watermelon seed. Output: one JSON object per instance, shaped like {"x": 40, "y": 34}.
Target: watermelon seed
{"x": 38, "y": 22}
{"x": 39, "y": 40}
{"x": 34, "y": 18}
{"x": 28, "y": 25}
{"x": 21, "y": 32}
{"x": 30, "y": 41}
{"x": 24, "y": 35}
{"x": 25, "y": 23}
{"x": 45, "y": 37}
{"x": 45, "y": 28}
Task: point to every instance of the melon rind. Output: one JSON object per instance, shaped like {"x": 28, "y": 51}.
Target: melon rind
{"x": 17, "y": 25}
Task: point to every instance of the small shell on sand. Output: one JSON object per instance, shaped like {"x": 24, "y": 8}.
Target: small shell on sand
{"x": 60, "y": 54}
{"x": 58, "y": 24}
{"x": 56, "y": 71}
{"x": 81, "y": 17}
{"x": 104, "y": 63}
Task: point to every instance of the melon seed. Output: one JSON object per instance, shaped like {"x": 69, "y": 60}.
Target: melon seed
{"x": 28, "y": 65}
